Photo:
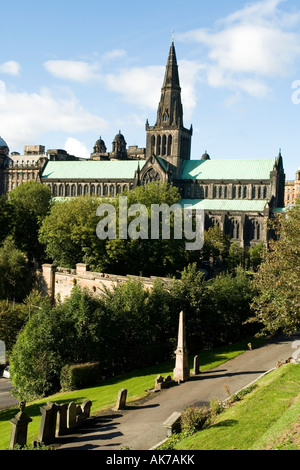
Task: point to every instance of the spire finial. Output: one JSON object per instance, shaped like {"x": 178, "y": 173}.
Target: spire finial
{"x": 172, "y": 31}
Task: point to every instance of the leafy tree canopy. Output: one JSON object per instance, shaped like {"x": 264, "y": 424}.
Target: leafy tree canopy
{"x": 277, "y": 305}
{"x": 30, "y": 203}
{"x": 15, "y": 279}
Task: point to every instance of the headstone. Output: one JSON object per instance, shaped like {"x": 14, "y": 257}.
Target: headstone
{"x": 20, "y": 427}
{"x": 159, "y": 383}
{"x": 62, "y": 427}
{"x": 196, "y": 370}
{"x": 173, "y": 423}
{"x": 121, "y": 401}
{"x": 48, "y": 423}
{"x": 181, "y": 372}
{"x": 78, "y": 414}
{"x": 86, "y": 408}
{"x": 71, "y": 415}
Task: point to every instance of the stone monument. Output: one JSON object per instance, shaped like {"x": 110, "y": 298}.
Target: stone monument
{"x": 20, "y": 426}
{"x": 181, "y": 372}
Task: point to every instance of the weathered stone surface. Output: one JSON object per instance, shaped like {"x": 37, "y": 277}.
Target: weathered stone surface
{"x": 20, "y": 428}
{"x": 72, "y": 415}
{"x": 48, "y": 423}
{"x": 173, "y": 423}
{"x": 121, "y": 401}
{"x": 181, "y": 372}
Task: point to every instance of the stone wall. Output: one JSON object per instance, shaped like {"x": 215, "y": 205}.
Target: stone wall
{"x": 58, "y": 282}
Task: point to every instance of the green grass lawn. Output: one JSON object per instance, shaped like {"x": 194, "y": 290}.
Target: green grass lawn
{"x": 267, "y": 418}
{"x": 105, "y": 395}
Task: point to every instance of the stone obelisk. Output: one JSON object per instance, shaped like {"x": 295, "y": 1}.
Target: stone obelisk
{"x": 181, "y": 372}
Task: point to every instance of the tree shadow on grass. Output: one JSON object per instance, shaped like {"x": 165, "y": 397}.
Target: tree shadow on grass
{"x": 224, "y": 424}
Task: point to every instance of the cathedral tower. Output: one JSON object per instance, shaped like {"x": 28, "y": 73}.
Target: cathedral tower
{"x": 168, "y": 138}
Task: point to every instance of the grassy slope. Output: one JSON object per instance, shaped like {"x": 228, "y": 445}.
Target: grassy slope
{"x": 267, "y": 418}
{"x": 104, "y": 396}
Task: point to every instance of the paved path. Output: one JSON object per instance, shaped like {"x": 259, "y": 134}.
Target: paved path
{"x": 140, "y": 426}
{"x": 6, "y": 399}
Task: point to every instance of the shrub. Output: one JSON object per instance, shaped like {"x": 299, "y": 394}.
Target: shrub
{"x": 75, "y": 376}
{"x": 216, "y": 407}
{"x": 194, "y": 418}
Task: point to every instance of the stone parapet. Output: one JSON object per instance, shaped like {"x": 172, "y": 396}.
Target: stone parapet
{"x": 58, "y": 282}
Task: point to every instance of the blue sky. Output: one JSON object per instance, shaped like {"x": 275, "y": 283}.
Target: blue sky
{"x": 71, "y": 71}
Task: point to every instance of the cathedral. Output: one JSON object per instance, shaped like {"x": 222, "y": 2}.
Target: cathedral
{"x": 237, "y": 195}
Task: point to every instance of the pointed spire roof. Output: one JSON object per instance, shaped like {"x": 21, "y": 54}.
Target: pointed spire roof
{"x": 171, "y": 75}
{"x": 170, "y": 112}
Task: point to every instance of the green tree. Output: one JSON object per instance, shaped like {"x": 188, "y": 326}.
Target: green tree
{"x": 35, "y": 361}
{"x": 148, "y": 256}
{"x": 277, "y": 305}
{"x": 256, "y": 254}
{"x": 139, "y": 324}
{"x": 69, "y": 233}
{"x": 236, "y": 256}
{"x": 12, "y": 318}
{"x": 67, "y": 333}
{"x": 69, "y": 236}
{"x": 6, "y": 218}
{"x": 30, "y": 203}
{"x": 216, "y": 246}
{"x": 16, "y": 279}
{"x": 215, "y": 309}
{"x": 187, "y": 294}
{"x": 227, "y": 300}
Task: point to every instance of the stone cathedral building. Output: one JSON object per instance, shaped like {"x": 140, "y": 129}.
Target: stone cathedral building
{"x": 237, "y": 195}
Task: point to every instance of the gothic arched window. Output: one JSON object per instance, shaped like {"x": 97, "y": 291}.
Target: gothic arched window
{"x": 164, "y": 145}
{"x": 158, "y": 145}
{"x": 169, "y": 145}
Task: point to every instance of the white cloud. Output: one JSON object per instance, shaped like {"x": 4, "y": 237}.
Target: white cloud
{"x": 10, "y": 68}
{"x": 115, "y": 54}
{"x": 25, "y": 116}
{"x": 250, "y": 46}
{"x": 78, "y": 71}
{"x": 75, "y": 147}
{"x": 189, "y": 74}
{"x": 142, "y": 85}
{"x": 138, "y": 85}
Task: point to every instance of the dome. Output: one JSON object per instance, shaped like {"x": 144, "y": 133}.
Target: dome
{"x": 3, "y": 143}
{"x": 100, "y": 146}
{"x": 100, "y": 141}
{"x": 119, "y": 137}
{"x": 205, "y": 156}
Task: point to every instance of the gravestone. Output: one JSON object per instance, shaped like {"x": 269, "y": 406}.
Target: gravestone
{"x": 86, "y": 408}
{"x": 79, "y": 416}
{"x": 72, "y": 415}
{"x": 159, "y": 383}
{"x": 196, "y": 370}
{"x": 121, "y": 401}
{"x": 20, "y": 427}
{"x": 48, "y": 423}
{"x": 62, "y": 427}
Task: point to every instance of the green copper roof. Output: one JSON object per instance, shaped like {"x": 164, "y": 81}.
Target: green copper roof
{"x": 91, "y": 169}
{"x": 227, "y": 169}
{"x": 239, "y": 205}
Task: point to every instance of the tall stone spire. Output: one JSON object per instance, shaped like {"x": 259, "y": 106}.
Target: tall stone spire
{"x": 170, "y": 112}
{"x": 168, "y": 138}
